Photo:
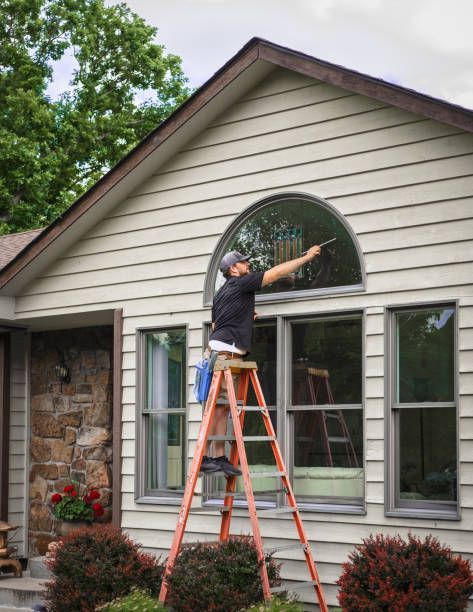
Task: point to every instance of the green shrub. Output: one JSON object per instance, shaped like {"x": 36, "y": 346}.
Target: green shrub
{"x": 93, "y": 566}
{"x": 386, "y": 573}
{"x": 276, "y": 604}
{"x": 218, "y": 576}
{"x": 136, "y": 601}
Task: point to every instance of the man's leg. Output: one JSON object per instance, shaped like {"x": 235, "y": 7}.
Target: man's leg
{"x": 219, "y": 428}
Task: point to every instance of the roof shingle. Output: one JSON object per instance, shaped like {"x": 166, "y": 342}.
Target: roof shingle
{"x": 12, "y": 244}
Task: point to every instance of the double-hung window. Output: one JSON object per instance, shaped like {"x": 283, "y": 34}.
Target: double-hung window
{"x": 162, "y": 407}
{"x": 325, "y": 415}
{"x": 423, "y": 435}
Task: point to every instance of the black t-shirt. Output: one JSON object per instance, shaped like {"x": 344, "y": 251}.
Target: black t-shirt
{"x": 233, "y": 309}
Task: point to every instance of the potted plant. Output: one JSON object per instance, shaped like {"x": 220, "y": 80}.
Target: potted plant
{"x": 75, "y": 509}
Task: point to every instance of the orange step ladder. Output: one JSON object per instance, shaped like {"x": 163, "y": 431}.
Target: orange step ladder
{"x": 238, "y": 408}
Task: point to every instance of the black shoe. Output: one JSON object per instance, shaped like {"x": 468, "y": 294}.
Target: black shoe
{"x": 209, "y": 465}
{"x": 226, "y": 467}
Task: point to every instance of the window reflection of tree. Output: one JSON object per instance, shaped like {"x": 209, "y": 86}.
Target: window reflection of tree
{"x": 338, "y": 266}
{"x": 425, "y": 356}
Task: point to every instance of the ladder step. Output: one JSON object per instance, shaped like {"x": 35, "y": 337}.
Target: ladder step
{"x": 251, "y": 408}
{"x": 331, "y": 415}
{"x": 267, "y": 474}
{"x": 337, "y": 439}
{"x": 280, "y": 510}
{"x": 290, "y": 586}
{"x": 245, "y": 438}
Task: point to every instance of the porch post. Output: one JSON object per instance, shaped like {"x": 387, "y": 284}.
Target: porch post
{"x": 4, "y": 423}
{"x": 117, "y": 416}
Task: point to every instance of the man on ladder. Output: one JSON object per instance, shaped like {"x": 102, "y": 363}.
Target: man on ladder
{"x": 233, "y": 312}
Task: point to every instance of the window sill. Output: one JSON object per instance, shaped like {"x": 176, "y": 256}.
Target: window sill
{"x": 332, "y": 508}
{"x": 423, "y": 514}
{"x": 159, "y": 501}
{"x": 303, "y": 507}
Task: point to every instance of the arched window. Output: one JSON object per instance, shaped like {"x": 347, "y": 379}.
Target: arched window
{"x": 284, "y": 227}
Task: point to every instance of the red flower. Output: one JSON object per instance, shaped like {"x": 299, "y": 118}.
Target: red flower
{"x": 74, "y": 493}
{"x": 94, "y": 494}
{"x": 69, "y": 488}
{"x": 98, "y": 509}
{"x": 56, "y": 498}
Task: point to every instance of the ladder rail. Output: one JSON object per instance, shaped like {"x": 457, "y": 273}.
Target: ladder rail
{"x": 231, "y": 482}
{"x": 207, "y": 416}
{"x": 248, "y": 486}
{"x": 289, "y": 494}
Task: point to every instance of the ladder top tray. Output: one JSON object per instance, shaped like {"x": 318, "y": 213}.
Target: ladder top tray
{"x": 234, "y": 364}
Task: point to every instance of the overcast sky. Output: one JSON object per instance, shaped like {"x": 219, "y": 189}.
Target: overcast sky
{"x": 426, "y": 45}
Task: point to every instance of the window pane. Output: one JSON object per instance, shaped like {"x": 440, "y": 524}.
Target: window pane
{"x": 165, "y": 456}
{"x": 283, "y": 230}
{"x": 427, "y": 454}
{"x": 326, "y": 362}
{"x": 425, "y": 356}
{"x": 166, "y": 369}
{"x": 328, "y": 453}
{"x": 263, "y": 351}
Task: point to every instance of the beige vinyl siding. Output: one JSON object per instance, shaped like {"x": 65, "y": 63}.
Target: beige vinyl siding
{"x": 404, "y": 184}
{"x": 18, "y": 440}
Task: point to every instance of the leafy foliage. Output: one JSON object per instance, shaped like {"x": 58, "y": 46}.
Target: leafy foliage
{"x": 387, "y": 573}
{"x": 137, "y": 600}
{"x": 276, "y": 604}
{"x": 53, "y": 150}
{"x": 72, "y": 506}
{"x": 218, "y": 576}
{"x": 94, "y": 566}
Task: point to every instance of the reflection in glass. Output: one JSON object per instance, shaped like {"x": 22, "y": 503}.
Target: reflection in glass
{"x": 425, "y": 356}
{"x": 427, "y": 454}
{"x": 328, "y": 444}
{"x": 328, "y": 453}
{"x": 326, "y": 362}
{"x": 165, "y": 389}
{"x": 165, "y": 460}
{"x": 165, "y": 369}
{"x": 283, "y": 230}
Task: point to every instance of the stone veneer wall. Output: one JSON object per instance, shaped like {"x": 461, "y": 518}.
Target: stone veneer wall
{"x": 71, "y": 422}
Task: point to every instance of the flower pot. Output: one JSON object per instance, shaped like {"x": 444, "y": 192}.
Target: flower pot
{"x": 64, "y": 528}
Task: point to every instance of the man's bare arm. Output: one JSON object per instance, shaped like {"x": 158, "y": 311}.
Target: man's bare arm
{"x": 274, "y": 274}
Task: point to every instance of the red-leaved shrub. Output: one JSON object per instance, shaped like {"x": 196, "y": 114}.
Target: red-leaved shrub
{"x": 94, "y": 565}
{"x": 386, "y": 573}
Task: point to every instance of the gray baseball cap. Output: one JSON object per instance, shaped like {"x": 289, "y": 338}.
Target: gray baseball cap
{"x": 229, "y": 259}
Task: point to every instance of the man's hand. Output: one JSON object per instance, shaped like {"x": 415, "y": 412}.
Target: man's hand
{"x": 313, "y": 252}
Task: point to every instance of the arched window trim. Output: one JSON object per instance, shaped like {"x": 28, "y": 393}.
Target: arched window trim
{"x": 286, "y": 295}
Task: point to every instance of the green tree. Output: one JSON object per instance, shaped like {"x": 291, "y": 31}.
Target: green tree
{"x": 53, "y": 150}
